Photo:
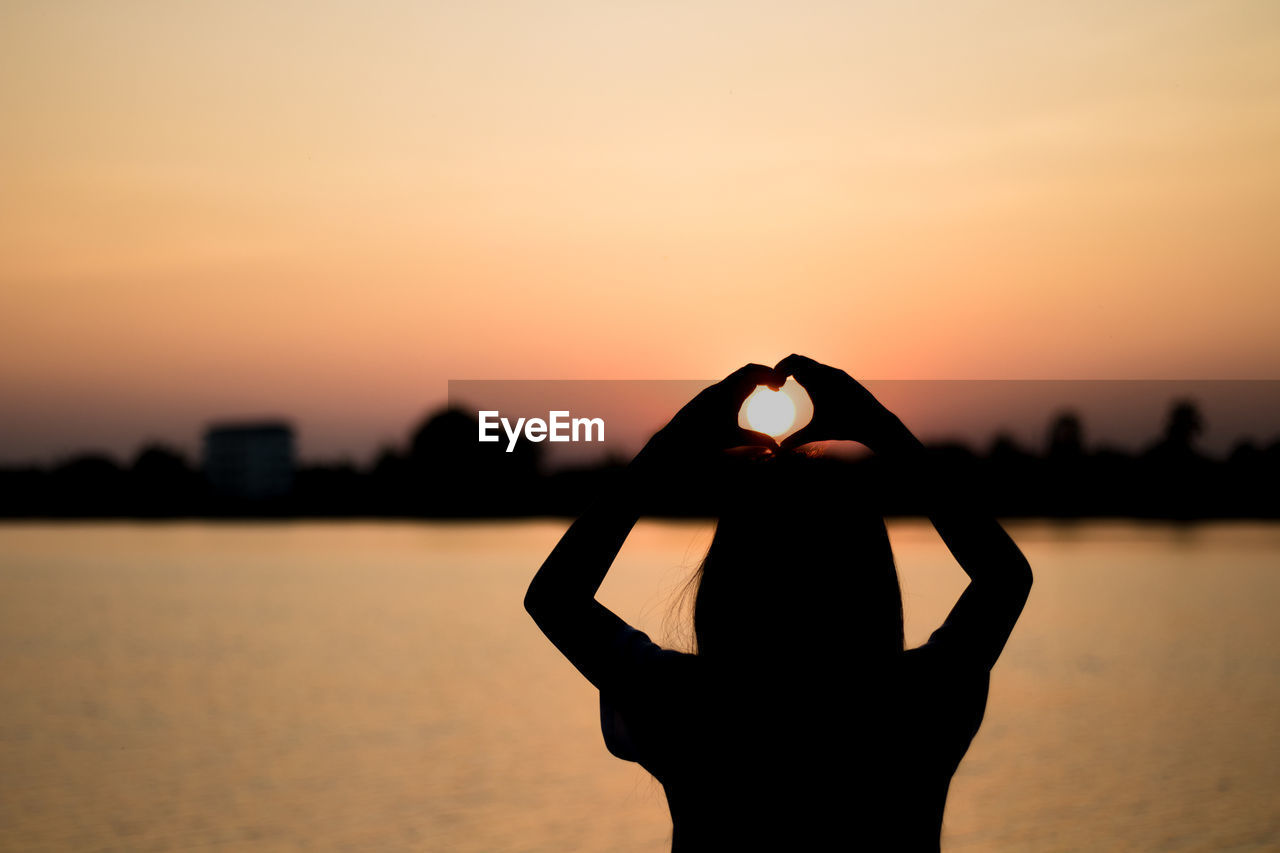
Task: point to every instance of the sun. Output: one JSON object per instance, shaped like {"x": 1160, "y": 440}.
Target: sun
{"x": 770, "y": 412}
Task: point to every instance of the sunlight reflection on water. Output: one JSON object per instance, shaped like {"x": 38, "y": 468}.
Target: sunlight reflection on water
{"x": 378, "y": 686}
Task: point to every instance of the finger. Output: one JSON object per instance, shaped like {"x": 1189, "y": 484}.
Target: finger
{"x": 753, "y": 374}
{"x": 745, "y": 380}
{"x": 797, "y": 366}
{"x": 804, "y": 435}
{"x": 795, "y": 360}
{"x": 774, "y": 379}
{"x": 749, "y": 452}
{"x": 745, "y": 437}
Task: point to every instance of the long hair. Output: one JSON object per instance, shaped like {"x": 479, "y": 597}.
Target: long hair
{"x": 801, "y": 576}
{"x": 797, "y": 622}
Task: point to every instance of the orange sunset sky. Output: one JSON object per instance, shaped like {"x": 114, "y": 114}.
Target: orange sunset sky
{"x": 326, "y": 210}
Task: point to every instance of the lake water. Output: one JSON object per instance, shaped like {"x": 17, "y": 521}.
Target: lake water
{"x": 377, "y": 686}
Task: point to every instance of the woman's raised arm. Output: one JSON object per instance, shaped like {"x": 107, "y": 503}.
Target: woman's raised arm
{"x": 999, "y": 576}
{"x": 979, "y": 624}
{"x": 561, "y": 597}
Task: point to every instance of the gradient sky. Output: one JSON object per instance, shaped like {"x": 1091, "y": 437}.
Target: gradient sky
{"x": 327, "y": 209}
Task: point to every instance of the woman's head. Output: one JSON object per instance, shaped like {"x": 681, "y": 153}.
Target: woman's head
{"x": 811, "y": 580}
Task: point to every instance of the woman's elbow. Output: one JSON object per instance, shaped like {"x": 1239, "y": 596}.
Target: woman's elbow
{"x": 1022, "y": 577}
{"x": 535, "y": 600}
{"x": 543, "y": 600}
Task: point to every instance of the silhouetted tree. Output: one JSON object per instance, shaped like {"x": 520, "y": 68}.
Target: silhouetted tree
{"x": 451, "y": 473}
{"x": 1184, "y": 425}
{"x": 1182, "y": 483}
{"x": 1064, "y": 481}
{"x": 389, "y": 483}
{"x": 337, "y": 489}
{"x": 163, "y": 482}
{"x": 89, "y": 484}
{"x": 1005, "y": 447}
{"x": 1012, "y": 476}
{"x": 1066, "y": 437}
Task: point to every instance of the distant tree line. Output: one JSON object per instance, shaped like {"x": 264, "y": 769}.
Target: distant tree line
{"x": 443, "y": 472}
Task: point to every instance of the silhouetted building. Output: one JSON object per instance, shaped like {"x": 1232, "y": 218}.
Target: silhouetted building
{"x": 250, "y": 461}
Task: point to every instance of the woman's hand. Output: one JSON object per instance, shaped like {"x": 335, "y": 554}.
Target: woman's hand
{"x": 842, "y": 409}
{"x": 708, "y": 424}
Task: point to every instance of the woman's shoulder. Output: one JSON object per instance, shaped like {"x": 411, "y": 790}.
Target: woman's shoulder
{"x": 657, "y": 679}
{"x": 648, "y": 673}
{"x": 634, "y": 646}
{"x": 934, "y": 662}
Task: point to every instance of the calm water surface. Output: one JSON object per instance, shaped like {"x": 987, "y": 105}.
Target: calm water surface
{"x": 377, "y": 686}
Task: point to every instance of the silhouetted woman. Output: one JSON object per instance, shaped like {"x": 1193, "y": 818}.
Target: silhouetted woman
{"x": 801, "y": 723}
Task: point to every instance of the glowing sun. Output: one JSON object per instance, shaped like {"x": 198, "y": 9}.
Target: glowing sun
{"x": 770, "y": 412}
{"x": 776, "y": 413}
